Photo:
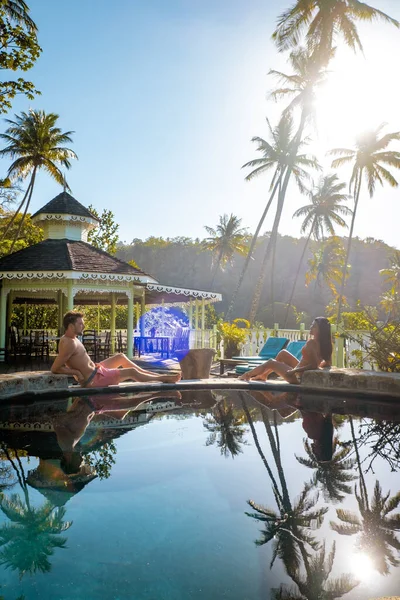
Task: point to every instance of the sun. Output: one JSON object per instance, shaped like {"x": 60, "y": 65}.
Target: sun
{"x": 356, "y": 97}
{"x": 361, "y": 566}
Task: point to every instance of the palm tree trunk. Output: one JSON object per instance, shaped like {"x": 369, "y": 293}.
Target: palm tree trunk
{"x": 353, "y": 218}
{"x": 278, "y": 214}
{"x": 252, "y": 246}
{"x": 17, "y": 211}
{"x": 25, "y": 211}
{"x": 216, "y": 268}
{"x": 363, "y": 487}
{"x": 270, "y": 245}
{"x": 257, "y": 445}
{"x": 297, "y": 274}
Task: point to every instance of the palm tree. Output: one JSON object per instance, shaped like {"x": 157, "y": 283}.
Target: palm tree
{"x": 321, "y": 215}
{"x": 316, "y": 585}
{"x": 275, "y": 155}
{"x": 35, "y": 143}
{"x": 33, "y": 535}
{"x": 333, "y": 475}
{"x": 368, "y": 157}
{"x": 326, "y": 265}
{"x": 324, "y": 20}
{"x": 307, "y": 75}
{"x": 18, "y": 11}
{"x": 226, "y": 428}
{"x": 226, "y": 240}
{"x": 392, "y": 274}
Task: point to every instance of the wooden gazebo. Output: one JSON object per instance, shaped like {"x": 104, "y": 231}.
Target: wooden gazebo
{"x": 66, "y": 270}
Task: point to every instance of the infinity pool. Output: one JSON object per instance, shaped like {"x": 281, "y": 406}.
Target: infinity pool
{"x": 200, "y": 495}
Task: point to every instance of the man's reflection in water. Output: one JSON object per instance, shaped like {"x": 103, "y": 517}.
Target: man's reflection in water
{"x": 69, "y": 473}
{"x": 318, "y": 426}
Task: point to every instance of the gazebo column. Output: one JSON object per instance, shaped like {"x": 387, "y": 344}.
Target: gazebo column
{"x": 3, "y": 319}
{"x": 25, "y": 316}
{"x": 162, "y": 317}
{"x": 203, "y": 320}
{"x": 60, "y": 310}
{"x": 9, "y": 309}
{"x": 196, "y": 320}
{"x": 129, "y": 335}
{"x": 112, "y": 328}
{"x": 142, "y": 327}
{"x": 190, "y": 313}
{"x": 70, "y": 296}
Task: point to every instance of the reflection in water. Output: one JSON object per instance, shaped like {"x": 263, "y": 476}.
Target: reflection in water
{"x": 225, "y": 423}
{"x": 77, "y": 443}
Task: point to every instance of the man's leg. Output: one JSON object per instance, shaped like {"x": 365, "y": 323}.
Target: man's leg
{"x": 144, "y": 376}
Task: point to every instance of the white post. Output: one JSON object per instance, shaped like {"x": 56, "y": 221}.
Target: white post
{"x": 112, "y": 324}
{"x": 203, "y": 320}
{"x": 3, "y": 319}
{"x": 25, "y": 317}
{"x": 143, "y": 307}
{"x": 162, "y": 317}
{"x": 190, "y": 313}
{"x": 196, "y": 320}
{"x": 60, "y": 310}
{"x": 9, "y": 309}
{"x": 70, "y": 297}
{"x": 129, "y": 335}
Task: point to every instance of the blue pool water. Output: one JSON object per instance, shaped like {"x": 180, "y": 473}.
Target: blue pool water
{"x": 154, "y": 504}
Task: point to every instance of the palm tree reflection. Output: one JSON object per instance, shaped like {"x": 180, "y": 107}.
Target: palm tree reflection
{"x": 226, "y": 427}
{"x": 316, "y": 584}
{"x": 332, "y": 475}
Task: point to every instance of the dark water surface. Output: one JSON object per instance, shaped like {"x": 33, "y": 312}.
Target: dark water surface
{"x": 209, "y": 495}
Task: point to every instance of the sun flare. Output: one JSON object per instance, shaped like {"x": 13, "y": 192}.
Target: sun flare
{"x": 357, "y": 96}
{"x": 361, "y": 566}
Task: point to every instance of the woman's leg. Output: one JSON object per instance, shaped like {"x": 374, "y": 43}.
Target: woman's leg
{"x": 262, "y": 371}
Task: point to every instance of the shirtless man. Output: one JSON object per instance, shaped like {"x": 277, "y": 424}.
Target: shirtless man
{"x": 73, "y": 360}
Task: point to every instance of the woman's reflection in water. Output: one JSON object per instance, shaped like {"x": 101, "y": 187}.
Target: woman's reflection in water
{"x": 318, "y": 426}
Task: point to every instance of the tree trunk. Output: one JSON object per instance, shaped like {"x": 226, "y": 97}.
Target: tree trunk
{"x": 252, "y": 246}
{"x": 357, "y": 196}
{"x": 216, "y": 269}
{"x": 17, "y": 211}
{"x": 297, "y": 274}
{"x": 32, "y": 183}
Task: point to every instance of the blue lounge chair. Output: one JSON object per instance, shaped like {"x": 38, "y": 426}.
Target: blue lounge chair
{"x": 294, "y": 348}
{"x": 272, "y": 346}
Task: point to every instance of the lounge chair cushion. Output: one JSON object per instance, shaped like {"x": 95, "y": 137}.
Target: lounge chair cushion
{"x": 272, "y": 346}
{"x": 294, "y": 348}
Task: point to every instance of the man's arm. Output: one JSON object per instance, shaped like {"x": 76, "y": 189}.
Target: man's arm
{"x": 66, "y": 349}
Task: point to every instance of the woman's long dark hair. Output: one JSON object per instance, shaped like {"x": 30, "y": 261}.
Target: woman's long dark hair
{"x": 325, "y": 338}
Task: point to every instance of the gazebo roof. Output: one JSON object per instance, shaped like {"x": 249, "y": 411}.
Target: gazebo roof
{"x": 65, "y": 204}
{"x": 66, "y": 255}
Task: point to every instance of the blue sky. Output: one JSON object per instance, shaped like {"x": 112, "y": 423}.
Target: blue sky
{"x": 164, "y": 98}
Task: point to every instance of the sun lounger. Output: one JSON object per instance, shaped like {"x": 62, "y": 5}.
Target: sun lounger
{"x": 272, "y": 346}
{"x": 294, "y": 348}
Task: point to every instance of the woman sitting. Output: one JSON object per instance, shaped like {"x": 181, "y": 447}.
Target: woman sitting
{"x": 317, "y": 353}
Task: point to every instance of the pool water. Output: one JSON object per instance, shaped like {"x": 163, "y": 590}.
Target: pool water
{"x": 204, "y": 495}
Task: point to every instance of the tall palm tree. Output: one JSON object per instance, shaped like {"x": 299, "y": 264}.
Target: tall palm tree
{"x": 275, "y": 154}
{"x": 316, "y": 584}
{"x": 228, "y": 239}
{"x": 226, "y": 428}
{"x": 301, "y": 84}
{"x": 333, "y": 476}
{"x": 321, "y": 215}
{"x": 323, "y": 21}
{"x": 34, "y": 142}
{"x": 18, "y": 11}
{"x": 368, "y": 158}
